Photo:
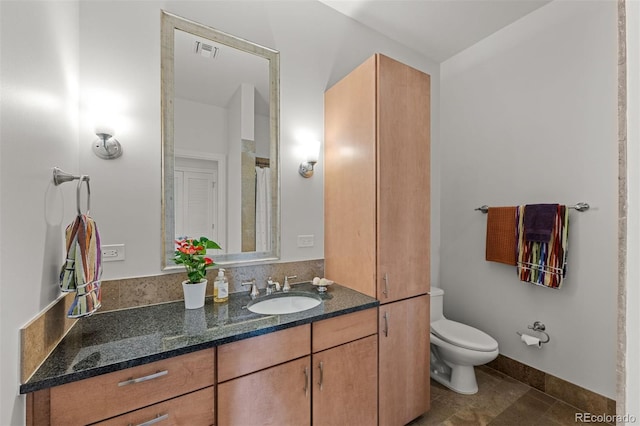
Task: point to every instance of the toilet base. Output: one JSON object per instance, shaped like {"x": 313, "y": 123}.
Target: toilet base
{"x": 461, "y": 379}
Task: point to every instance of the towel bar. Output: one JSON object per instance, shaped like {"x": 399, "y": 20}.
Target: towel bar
{"x": 581, "y": 207}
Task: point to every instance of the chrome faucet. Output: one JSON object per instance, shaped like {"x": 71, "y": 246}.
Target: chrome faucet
{"x": 270, "y": 286}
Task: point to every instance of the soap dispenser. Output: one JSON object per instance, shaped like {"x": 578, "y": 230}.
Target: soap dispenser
{"x": 221, "y": 288}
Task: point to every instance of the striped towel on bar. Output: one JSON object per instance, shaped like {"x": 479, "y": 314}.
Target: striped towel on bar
{"x": 543, "y": 263}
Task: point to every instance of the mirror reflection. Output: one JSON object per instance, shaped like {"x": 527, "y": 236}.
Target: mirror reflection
{"x": 220, "y": 115}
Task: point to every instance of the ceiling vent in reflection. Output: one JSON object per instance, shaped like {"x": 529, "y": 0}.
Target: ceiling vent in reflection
{"x": 206, "y": 50}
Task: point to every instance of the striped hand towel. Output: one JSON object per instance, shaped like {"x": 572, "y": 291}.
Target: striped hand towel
{"x": 542, "y": 263}
{"x": 83, "y": 267}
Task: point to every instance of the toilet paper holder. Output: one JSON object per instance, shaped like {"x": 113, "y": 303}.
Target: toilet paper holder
{"x": 540, "y": 328}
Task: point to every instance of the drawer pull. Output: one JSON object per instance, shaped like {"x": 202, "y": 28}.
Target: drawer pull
{"x": 386, "y": 285}
{"x": 158, "y": 419}
{"x": 321, "y": 367}
{"x": 145, "y": 378}
{"x": 386, "y": 324}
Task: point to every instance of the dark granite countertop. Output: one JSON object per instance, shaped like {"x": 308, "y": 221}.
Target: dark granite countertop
{"x": 111, "y": 341}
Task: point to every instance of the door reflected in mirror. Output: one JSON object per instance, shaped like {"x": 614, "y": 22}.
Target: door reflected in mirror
{"x": 220, "y": 142}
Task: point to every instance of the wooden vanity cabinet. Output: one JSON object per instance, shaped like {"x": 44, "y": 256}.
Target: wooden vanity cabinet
{"x": 154, "y": 386}
{"x": 324, "y": 373}
{"x": 275, "y": 379}
{"x": 377, "y": 215}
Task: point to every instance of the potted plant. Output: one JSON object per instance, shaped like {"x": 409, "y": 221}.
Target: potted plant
{"x": 192, "y": 253}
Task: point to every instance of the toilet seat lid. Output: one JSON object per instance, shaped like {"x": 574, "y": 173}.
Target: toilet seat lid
{"x": 463, "y": 335}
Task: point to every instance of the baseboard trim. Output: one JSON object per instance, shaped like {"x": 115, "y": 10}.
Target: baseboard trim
{"x": 563, "y": 390}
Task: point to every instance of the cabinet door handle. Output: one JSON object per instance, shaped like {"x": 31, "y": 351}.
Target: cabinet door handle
{"x": 386, "y": 285}
{"x": 157, "y": 419}
{"x": 321, "y": 367}
{"x": 145, "y": 378}
{"x": 306, "y": 381}
{"x": 386, "y": 324}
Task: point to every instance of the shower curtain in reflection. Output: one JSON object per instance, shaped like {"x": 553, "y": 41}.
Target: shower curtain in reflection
{"x": 263, "y": 209}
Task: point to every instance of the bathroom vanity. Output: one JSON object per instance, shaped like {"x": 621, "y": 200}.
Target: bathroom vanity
{"x": 217, "y": 365}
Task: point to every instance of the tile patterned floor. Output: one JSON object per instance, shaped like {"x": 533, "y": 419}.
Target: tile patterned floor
{"x": 500, "y": 401}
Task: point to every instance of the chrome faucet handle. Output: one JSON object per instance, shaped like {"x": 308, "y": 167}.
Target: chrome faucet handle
{"x": 286, "y": 286}
{"x": 254, "y": 292}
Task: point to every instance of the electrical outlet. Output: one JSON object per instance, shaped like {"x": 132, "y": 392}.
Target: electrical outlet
{"x": 305, "y": 241}
{"x": 112, "y": 253}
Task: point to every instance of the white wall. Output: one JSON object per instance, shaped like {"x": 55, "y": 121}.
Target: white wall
{"x": 51, "y": 48}
{"x": 529, "y": 116}
{"x": 200, "y": 127}
{"x": 312, "y": 58}
{"x": 39, "y": 130}
{"x": 632, "y": 370}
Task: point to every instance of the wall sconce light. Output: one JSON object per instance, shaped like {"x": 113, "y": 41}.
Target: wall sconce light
{"x": 312, "y": 154}
{"x": 106, "y": 146}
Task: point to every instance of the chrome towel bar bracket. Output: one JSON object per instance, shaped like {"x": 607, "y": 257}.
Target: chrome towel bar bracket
{"x": 60, "y": 177}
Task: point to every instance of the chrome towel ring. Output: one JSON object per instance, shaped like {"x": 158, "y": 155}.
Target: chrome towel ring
{"x": 83, "y": 178}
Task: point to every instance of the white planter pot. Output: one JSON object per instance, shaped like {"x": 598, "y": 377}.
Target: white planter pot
{"x": 194, "y": 294}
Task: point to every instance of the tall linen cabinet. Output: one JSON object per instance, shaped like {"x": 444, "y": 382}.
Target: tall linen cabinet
{"x": 377, "y": 215}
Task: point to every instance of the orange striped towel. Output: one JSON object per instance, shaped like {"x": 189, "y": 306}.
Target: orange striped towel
{"x": 501, "y": 235}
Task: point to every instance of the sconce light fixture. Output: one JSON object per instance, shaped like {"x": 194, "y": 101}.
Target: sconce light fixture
{"x": 106, "y": 146}
{"x": 312, "y": 154}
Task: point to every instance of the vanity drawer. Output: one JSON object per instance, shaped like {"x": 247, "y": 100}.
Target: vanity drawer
{"x": 111, "y": 394}
{"x": 195, "y": 408}
{"x": 247, "y": 356}
{"x": 343, "y": 329}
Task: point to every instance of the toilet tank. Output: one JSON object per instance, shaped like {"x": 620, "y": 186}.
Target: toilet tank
{"x": 437, "y": 296}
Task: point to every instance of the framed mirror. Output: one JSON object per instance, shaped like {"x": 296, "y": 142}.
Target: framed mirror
{"x": 220, "y": 130}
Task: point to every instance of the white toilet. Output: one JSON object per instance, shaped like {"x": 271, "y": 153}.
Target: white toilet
{"x": 456, "y": 348}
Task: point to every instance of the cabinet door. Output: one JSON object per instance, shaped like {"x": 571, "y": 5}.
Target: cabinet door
{"x": 404, "y": 360}
{"x": 345, "y": 384}
{"x": 276, "y": 396}
{"x": 403, "y": 181}
{"x": 350, "y": 180}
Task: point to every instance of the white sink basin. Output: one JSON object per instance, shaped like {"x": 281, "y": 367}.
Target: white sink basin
{"x": 284, "y": 303}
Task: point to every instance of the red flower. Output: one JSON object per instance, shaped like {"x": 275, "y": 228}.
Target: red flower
{"x": 192, "y": 254}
